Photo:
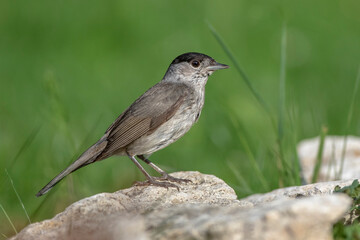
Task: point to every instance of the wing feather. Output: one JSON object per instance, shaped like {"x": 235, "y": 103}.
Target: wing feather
{"x": 145, "y": 115}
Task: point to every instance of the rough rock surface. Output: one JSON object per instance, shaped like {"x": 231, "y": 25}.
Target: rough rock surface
{"x": 331, "y": 158}
{"x": 207, "y": 208}
{"x": 308, "y": 218}
{"x": 297, "y": 192}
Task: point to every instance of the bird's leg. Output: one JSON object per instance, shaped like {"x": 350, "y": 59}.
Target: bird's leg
{"x": 164, "y": 175}
{"x": 150, "y": 180}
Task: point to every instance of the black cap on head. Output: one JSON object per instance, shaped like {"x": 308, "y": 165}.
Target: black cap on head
{"x": 187, "y": 57}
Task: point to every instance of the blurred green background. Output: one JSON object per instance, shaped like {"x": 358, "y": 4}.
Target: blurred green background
{"x": 69, "y": 68}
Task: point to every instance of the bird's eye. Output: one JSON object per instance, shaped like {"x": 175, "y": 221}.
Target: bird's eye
{"x": 195, "y": 64}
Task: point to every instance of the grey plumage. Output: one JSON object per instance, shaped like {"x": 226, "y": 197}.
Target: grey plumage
{"x": 159, "y": 117}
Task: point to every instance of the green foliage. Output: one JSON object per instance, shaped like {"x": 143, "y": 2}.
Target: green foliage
{"x": 349, "y": 229}
{"x": 69, "y": 68}
{"x": 319, "y": 155}
{"x": 349, "y": 119}
{"x": 285, "y": 155}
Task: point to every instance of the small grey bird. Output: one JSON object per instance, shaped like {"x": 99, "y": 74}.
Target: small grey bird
{"x": 159, "y": 117}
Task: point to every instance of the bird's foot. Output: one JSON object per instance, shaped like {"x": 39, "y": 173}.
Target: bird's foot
{"x": 167, "y": 177}
{"x": 153, "y": 182}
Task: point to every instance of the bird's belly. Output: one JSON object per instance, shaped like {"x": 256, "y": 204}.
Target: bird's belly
{"x": 167, "y": 133}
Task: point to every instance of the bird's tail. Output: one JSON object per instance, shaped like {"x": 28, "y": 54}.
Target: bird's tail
{"x": 89, "y": 156}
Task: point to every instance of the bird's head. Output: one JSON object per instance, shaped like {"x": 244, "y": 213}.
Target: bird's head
{"x": 193, "y": 68}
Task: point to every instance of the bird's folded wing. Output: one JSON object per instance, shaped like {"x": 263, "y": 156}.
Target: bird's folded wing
{"x": 145, "y": 115}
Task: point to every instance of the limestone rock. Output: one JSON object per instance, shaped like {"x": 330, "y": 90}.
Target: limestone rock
{"x": 308, "y": 218}
{"x": 83, "y": 215}
{"x": 297, "y": 192}
{"x": 331, "y": 160}
{"x": 206, "y": 208}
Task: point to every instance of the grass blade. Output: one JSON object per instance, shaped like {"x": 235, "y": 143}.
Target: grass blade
{"x": 349, "y": 118}
{"x": 241, "y": 72}
{"x": 29, "y": 140}
{"x": 17, "y": 195}
{"x": 26, "y": 144}
{"x": 295, "y": 162}
{"x": 319, "y": 154}
{"x": 252, "y": 160}
{"x": 284, "y": 166}
{"x": 245, "y": 186}
{"x": 6, "y": 237}
{"x": 35, "y": 213}
{"x": 7, "y": 216}
{"x": 282, "y": 91}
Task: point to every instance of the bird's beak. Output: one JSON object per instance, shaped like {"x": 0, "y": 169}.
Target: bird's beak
{"x": 217, "y": 66}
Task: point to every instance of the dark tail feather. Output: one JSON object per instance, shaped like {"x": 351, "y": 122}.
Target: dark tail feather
{"x": 89, "y": 156}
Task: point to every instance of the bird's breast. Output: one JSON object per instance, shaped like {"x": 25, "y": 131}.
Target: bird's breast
{"x": 173, "y": 129}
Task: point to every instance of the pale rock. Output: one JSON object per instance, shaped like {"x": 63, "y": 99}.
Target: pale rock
{"x": 206, "y": 208}
{"x": 331, "y": 158}
{"x": 296, "y": 192}
{"x": 308, "y": 218}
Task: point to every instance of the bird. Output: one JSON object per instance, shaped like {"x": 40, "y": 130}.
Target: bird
{"x": 159, "y": 117}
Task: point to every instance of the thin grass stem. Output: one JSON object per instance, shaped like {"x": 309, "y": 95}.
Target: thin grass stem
{"x": 254, "y": 164}
{"x": 77, "y": 153}
{"x": 242, "y": 73}
{"x": 319, "y": 156}
{"x": 282, "y": 91}
{"x": 294, "y": 140}
{"x": 242, "y": 181}
{"x": 29, "y": 140}
{"x": 349, "y": 118}
{"x": 18, "y": 196}
{"x": 281, "y": 106}
{"x": 8, "y": 218}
